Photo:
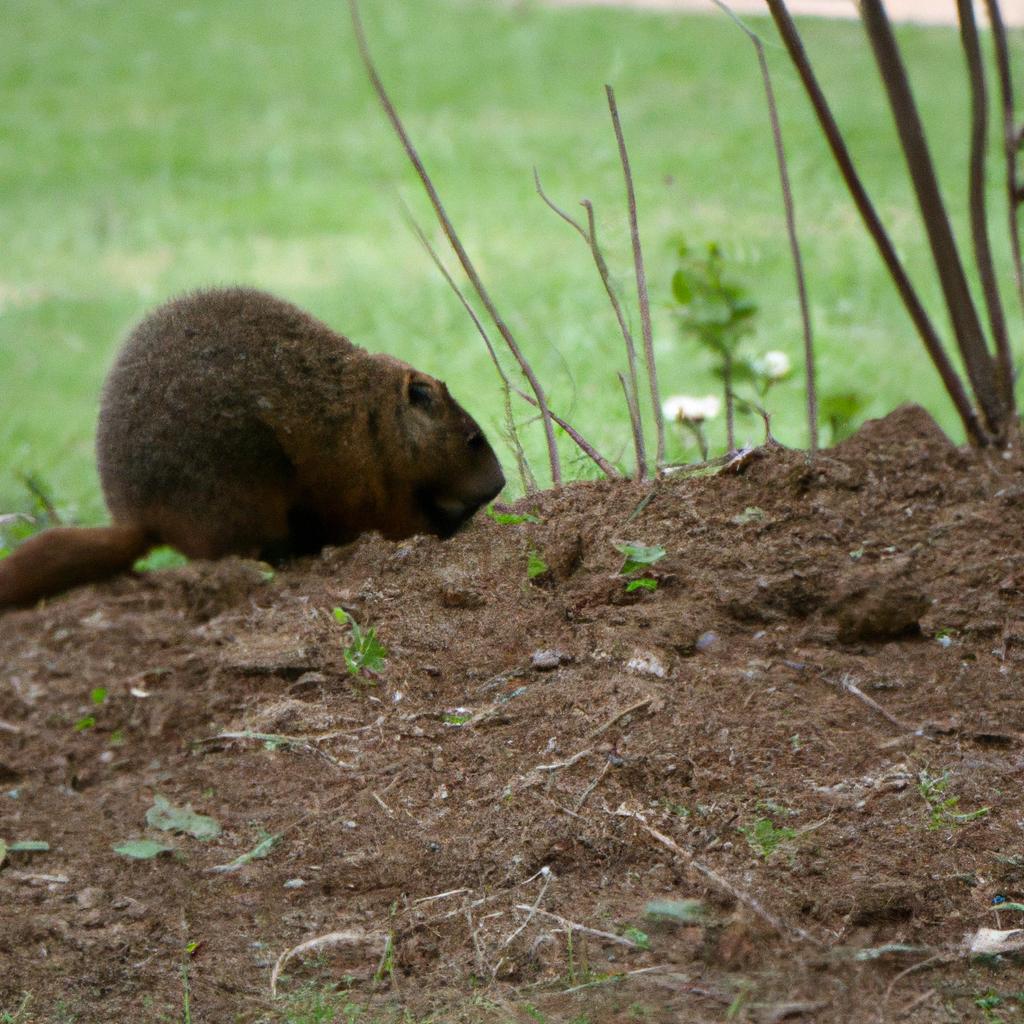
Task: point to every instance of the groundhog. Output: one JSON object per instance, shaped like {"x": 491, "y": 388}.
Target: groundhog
{"x": 233, "y": 422}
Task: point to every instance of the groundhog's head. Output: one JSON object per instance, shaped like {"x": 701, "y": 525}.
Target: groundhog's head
{"x": 450, "y": 465}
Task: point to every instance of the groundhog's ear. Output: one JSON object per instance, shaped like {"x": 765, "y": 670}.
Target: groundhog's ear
{"x": 420, "y": 391}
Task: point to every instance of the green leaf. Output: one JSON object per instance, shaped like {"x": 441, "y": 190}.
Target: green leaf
{"x": 98, "y": 695}
{"x": 511, "y": 518}
{"x": 29, "y": 846}
{"x": 639, "y": 556}
{"x": 142, "y": 849}
{"x": 169, "y": 817}
{"x": 1009, "y": 906}
{"x": 258, "y": 852}
{"x": 341, "y": 615}
{"x": 85, "y": 722}
{"x": 457, "y": 717}
{"x": 681, "y": 289}
{"x": 642, "y": 939}
{"x": 160, "y": 558}
{"x": 535, "y": 565}
{"x": 644, "y": 583}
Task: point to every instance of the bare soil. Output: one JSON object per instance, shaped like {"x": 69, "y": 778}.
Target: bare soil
{"x": 753, "y": 735}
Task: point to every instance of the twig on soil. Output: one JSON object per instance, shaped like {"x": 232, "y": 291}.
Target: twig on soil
{"x": 619, "y": 715}
{"x": 849, "y": 686}
{"x": 548, "y": 876}
{"x": 614, "y": 979}
{"x": 350, "y": 937}
{"x": 573, "y": 926}
{"x": 441, "y": 896}
{"x": 294, "y": 742}
{"x": 590, "y": 789}
{"x": 641, "y": 278}
{"x": 789, "y": 930}
{"x": 632, "y": 388}
{"x": 36, "y": 879}
{"x": 453, "y": 239}
{"x": 556, "y": 765}
{"x": 9, "y": 727}
{"x": 923, "y": 965}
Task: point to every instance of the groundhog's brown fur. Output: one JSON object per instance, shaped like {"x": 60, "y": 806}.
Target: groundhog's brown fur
{"x": 234, "y": 423}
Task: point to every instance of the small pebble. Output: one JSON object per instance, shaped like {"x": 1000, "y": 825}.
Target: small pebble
{"x": 706, "y": 640}
{"x": 545, "y": 661}
{"x": 295, "y": 883}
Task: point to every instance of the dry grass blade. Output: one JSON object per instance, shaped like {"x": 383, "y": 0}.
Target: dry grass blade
{"x": 574, "y": 926}
{"x": 522, "y": 463}
{"x": 794, "y": 241}
{"x": 350, "y": 937}
{"x": 454, "y": 241}
{"x": 632, "y": 389}
{"x": 641, "y": 277}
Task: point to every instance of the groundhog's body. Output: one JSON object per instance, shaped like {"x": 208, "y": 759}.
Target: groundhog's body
{"x": 235, "y": 423}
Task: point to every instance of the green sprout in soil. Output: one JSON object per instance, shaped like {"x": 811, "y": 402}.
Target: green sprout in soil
{"x": 535, "y": 565}
{"x": 639, "y": 558}
{"x": 764, "y": 838}
{"x": 364, "y": 654}
{"x": 942, "y": 807}
{"x": 511, "y": 518}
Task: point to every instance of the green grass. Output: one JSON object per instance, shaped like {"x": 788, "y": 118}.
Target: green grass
{"x": 150, "y": 150}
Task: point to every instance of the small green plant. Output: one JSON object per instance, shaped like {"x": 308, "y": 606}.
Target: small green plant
{"x": 639, "y": 558}
{"x": 764, "y": 838}
{"x": 535, "y": 565}
{"x": 364, "y": 654}
{"x": 511, "y": 518}
{"x": 718, "y": 312}
{"x": 160, "y": 558}
{"x": 934, "y": 790}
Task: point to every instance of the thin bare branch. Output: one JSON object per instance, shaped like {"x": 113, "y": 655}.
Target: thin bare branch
{"x": 641, "y": 278}
{"x": 456, "y": 244}
{"x": 794, "y": 241}
{"x": 976, "y": 193}
{"x": 589, "y": 235}
{"x": 976, "y": 433}
{"x": 723, "y": 884}
{"x": 966, "y": 325}
{"x": 581, "y": 442}
{"x": 1011, "y": 138}
{"x": 522, "y": 463}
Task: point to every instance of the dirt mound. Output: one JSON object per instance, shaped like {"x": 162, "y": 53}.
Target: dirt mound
{"x": 812, "y": 724}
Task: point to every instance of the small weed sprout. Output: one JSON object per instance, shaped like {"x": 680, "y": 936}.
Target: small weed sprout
{"x": 364, "y": 654}
{"x": 943, "y": 808}
{"x": 764, "y": 838}
{"x": 511, "y": 518}
{"x": 535, "y": 565}
{"x": 639, "y": 558}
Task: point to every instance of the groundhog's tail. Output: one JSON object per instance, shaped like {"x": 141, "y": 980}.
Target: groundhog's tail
{"x": 66, "y": 556}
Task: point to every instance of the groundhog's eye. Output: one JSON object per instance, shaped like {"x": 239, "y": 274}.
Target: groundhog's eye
{"x": 420, "y": 394}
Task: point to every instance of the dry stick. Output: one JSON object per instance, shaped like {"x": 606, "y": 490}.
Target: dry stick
{"x": 522, "y": 463}
{"x": 966, "y": 325}
{"x": 641, "y": 278}
{"x": 794, "y": 241}
{"x": 979, "y": 221}
{"x": 456, "y": 244}
{"x": 589, "y": 235}
{"x": 793, "y": 931}
{"x": 911, "y": 301}
{"x": 576, "y": 927}
{"x": 1010, "y": 138}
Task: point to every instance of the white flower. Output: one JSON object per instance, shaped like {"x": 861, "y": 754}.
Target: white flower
{"x": 774, "y": 365}
{"x": 689, "y": 408}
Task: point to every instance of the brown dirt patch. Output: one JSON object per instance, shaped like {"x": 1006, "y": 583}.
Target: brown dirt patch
{"x": 478, "y": 776}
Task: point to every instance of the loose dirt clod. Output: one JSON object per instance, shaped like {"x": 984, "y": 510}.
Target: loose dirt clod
{"x": 426, "y": 806}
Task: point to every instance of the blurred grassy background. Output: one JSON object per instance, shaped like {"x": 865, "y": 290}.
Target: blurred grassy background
{"x": 152, "y": 148}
